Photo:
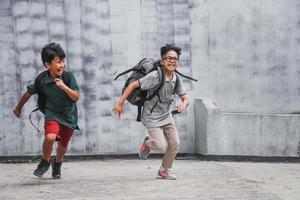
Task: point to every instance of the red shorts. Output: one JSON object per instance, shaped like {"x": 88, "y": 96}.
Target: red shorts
{"x": 63, "y": 133}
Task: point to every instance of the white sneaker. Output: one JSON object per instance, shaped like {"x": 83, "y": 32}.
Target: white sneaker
{"x": 167, "y": 174}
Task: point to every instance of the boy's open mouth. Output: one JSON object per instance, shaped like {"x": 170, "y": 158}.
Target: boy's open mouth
{"x": 59, "y": 72}
{"x": 172, "y": 65}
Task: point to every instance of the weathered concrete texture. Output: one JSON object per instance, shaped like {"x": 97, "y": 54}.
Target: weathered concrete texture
{"x": 246, "y": 54}
{"x": 136, "y": 179}
{"x": 101, "y": 38}
{"x": 220, "y": 133}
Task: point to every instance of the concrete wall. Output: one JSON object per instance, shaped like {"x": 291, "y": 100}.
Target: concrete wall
{"x": 223, "y": 133}
{"x": 101, "y": 38}
{"x": 244, "y": 52}
{"x": 247, "y": 56}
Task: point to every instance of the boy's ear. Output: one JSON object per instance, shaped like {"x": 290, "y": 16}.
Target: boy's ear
{"x": 46, "y": 65}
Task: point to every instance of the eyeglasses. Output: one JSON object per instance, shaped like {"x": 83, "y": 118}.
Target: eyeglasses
{"x": 171, "y": 59}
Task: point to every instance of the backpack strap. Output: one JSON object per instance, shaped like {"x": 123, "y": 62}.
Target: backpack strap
{"x": 154, "y": 106}
{"x": 139, "y": 115}
{"x": 125, "y": 72}
{"x": 37, "y": 82}
{"x": 161, "y": 83}
{"x": 37, "y": 85}
{"x": 176, "y": 83}
{"x": 31, "y": 120}
{"x": 185, "y": 76}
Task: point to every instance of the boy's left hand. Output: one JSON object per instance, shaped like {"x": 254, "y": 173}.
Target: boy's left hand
{"x": 180, "y": 107}
{"x": 118, "y": 110}
{"x": 59, "y": 83}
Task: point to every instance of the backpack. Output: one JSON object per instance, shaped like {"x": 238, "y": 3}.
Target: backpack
{"x": 141, "y": 69}
{"x": 41, "y": 101}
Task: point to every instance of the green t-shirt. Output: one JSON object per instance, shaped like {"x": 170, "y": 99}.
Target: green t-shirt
{"x": 59, "y": 106}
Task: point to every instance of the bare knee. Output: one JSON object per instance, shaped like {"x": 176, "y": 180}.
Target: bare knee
{"x": 50, "y": 138}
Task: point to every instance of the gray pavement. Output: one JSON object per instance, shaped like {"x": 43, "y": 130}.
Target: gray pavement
{"x": 136, "y": 179}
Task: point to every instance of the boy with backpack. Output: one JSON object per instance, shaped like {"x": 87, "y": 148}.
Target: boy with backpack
{"x": 156, "y": 114}
{"x": 58, "y": 92}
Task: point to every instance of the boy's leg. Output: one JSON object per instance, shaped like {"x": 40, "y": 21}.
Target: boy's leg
{"x": 172, "y": 138}
{"x": 64, "y": 137}
{"x": 51, "y": 131}
{"x": 156, "y": 142}
{"x": 56, "y": 163}
{"x": 48, "y": 145}
{"x": 60, "y": 152}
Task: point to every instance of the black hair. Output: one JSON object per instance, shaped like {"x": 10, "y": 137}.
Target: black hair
{"x": 50, "y": 51}
{"x": 168, "y": 47}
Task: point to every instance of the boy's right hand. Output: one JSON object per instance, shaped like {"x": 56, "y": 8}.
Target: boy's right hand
{"x": 17, "y": 112}
{"x": 118, "y": 110}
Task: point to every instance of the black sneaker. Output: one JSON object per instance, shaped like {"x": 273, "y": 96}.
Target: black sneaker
{"x": 42, "y": 168}
{"x": 56, "y": 169}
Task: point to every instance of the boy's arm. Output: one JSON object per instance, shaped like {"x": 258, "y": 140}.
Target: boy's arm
{"x": 119, "y": 106}
{"x": 71, "y": 93}
{"x": 18, "y": 109}
{"x": 184, "y": 103}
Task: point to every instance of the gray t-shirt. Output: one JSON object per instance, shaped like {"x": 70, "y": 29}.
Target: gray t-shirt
{"x": 161, "y": 114}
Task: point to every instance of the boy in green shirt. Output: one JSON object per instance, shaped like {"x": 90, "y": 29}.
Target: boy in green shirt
{"x": 60, "y": 107}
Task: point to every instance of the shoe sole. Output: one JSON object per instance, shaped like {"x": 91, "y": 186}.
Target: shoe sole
{"x": 38, "y": 175}
{"x": 165, "y": 178}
